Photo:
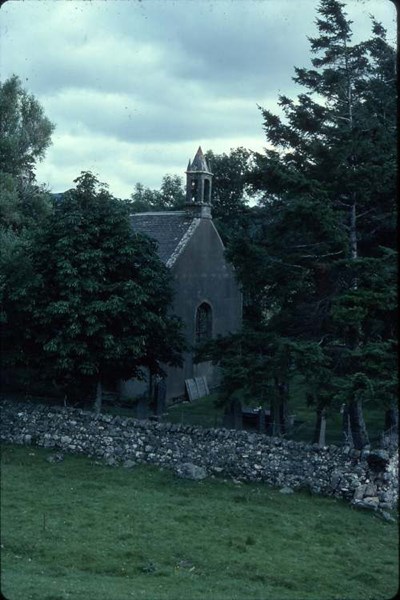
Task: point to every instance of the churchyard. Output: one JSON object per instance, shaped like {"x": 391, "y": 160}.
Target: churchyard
{"x": 79, "y": 529}
{"x": 205, "y": 413}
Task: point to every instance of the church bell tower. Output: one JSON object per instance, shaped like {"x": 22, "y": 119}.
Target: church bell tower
{"x": 198, "y": 185}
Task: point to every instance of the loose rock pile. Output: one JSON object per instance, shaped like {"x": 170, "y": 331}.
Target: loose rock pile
{"x": 367, "y": 479}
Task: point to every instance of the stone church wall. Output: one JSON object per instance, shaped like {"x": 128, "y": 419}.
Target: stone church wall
{"x": 202, "y": 274}
{"x": 367, "y": 479}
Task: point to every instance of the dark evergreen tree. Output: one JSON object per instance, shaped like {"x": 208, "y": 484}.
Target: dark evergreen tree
{"x": 326, "y": 224}
{"x": 230, "y": 190}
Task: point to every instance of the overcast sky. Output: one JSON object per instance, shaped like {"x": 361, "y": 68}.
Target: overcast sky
{"x": 134, "y": 87}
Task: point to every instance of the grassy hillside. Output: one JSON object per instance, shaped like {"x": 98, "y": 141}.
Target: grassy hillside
{"x": 84, "y": 531}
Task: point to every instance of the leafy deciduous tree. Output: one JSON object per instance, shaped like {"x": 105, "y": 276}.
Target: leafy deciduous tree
{"x": 97, "y": 303}
{"x": 25, "y": 132}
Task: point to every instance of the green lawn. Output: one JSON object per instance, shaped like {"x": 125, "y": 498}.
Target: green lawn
{"x": 85, "y": 531}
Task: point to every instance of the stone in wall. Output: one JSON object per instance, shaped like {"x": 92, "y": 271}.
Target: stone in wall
{"x": 243, "y": 456}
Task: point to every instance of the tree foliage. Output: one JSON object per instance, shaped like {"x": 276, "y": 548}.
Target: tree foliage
{"x": 309, "y": 258}
{"x": 170, "y": 196}
{"x": 96, "y": 304}
{"x": 25, "y": 131}
{"x": 230, "y": 189}
{"x": 25, "y": 134}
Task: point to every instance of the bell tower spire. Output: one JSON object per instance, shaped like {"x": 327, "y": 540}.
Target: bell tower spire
{"x": 198, "y": 184}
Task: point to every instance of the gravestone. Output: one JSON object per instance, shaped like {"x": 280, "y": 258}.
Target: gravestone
{"x": 202, "y": 386}
{"x": 192, "y": 389}
{"x": 322, "y": 430}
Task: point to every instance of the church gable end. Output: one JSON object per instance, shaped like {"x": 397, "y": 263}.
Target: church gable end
{"x": 207, "y": 297}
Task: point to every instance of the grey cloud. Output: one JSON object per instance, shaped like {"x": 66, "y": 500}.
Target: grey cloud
{"x": 132, "y": 86}
{"x": 136, "y": 121}
{"x": 229, "y": 47}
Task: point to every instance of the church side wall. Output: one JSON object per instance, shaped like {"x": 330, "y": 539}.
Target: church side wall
{"x": 202, "y": 274}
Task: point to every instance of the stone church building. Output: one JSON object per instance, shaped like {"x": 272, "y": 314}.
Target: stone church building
{"x": 207, "y": 296}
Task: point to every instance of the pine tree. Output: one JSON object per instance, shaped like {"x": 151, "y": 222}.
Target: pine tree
{"x": 327, "y": 222}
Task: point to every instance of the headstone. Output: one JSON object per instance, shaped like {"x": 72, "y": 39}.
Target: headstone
{"x": 322, "y": 430}
{"x": 192, "y": 390}
{"x": 202, "y": 387}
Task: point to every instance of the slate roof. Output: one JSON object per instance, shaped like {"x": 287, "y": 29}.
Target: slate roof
{"x": 171, "y": 230}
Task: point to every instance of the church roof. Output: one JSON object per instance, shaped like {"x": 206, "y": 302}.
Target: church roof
{"x": 171, "y": 230}
{"x": 199, "y": 163}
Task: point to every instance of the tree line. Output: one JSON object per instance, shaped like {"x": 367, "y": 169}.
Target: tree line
{"x": 309, "y": 225}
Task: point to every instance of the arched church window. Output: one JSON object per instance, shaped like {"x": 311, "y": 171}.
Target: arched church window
{"x": 203, "y": 323}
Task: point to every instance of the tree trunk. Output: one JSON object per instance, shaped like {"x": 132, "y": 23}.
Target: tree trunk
{"x": 353, "y": 231}
{"x": 357, "y": 425}
{"x": 390, "y": 436}
{"x": 317, "y": 429}
{"x": 280, "y": 408}
{"x": 99, "y": 397}
{"x": 283, "y": 414}
{"x": 392, "y": 420}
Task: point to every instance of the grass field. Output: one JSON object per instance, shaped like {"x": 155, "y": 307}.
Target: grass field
{"x": 84, "y": 531}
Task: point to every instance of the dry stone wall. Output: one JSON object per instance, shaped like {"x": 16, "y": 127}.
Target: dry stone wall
{"x": 367, "y": 479}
